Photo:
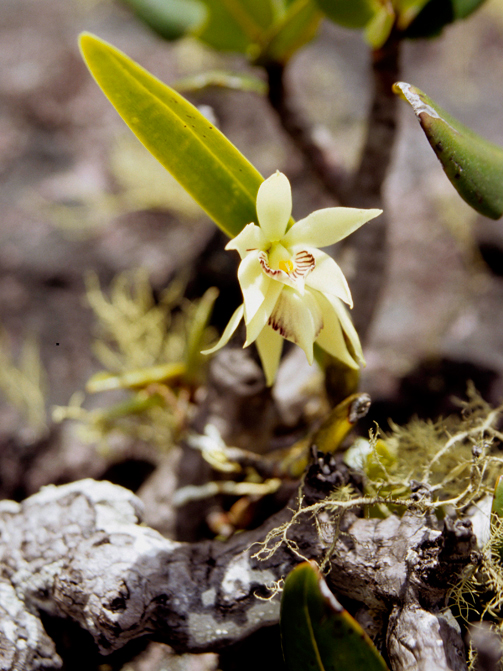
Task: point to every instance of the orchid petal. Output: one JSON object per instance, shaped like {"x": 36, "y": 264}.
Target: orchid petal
{"x": 348, "y": 327}
{"x": 228, "y": 331}
{"x": 327, "y": 277}
{"x": 274, "y": 206}
{"x": 325, "y": 227}
{"x": 254, "y": 284}
{"x": 254, "y": 326}
{"x": 298, "y": 318}
{"x": 250, "y": 238}
{"x": 331, "y": 337}
{"x": 269, "y": 345}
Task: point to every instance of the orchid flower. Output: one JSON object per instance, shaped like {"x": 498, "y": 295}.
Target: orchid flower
{"x": 290, "y": 288}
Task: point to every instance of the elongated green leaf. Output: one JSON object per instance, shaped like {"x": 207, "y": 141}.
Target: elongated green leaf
{"x": 235, "y": 25}
{"x": 297, "y": 27}
{"x": 171, "y": 19}
{"x": 349, "y": 13}
{"x": 317, "y": 633}
{"x": 473, "y": 165}
{"x": 205, "y": 163}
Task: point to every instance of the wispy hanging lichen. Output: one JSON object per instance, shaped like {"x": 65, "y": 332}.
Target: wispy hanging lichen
{"x": 426, "y": 467}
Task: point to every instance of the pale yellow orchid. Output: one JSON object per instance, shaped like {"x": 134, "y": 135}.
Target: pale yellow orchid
{"x": 290, "y": 288}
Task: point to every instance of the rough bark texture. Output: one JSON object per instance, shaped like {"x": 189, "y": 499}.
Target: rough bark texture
{"x": 80, "y": 551}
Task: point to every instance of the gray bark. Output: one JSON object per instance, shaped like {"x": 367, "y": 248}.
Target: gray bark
{"x": 80, "y": 551}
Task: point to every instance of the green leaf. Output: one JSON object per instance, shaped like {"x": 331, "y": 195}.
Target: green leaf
{"x": 379, "y": 27}
{"x": 297, "y": 27}
{"x": 235, "y": 25}
{"x": 473, "y": 165}
{"x": 317, "y": 633}
{"x": 205, "y": 163}
{"x": 349, "y": 13}
{"x": 171, "y": 19}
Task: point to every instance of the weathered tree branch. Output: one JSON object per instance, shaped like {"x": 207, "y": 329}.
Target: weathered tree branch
{"x": 79, "y": 551}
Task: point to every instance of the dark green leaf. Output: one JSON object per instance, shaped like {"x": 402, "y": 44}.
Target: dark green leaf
{"x": 171, "y": 19}
{"x": 317, "y": 633}
{"x": 473, "y": 165}
{"x": 205, "y": 163}
{"x": 349, "y": 13}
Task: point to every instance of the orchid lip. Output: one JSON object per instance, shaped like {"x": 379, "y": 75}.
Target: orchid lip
{"x": 295, "y": 268}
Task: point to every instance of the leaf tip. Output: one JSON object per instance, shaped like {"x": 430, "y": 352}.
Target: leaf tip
{"x": 416, "y": 99}
{"x": 85, "y": 40}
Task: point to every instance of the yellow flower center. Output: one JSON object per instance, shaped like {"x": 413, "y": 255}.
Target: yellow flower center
{"x": 286, "y": 265}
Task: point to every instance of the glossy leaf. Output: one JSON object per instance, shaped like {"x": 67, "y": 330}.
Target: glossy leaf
{"x": 205, "y": 163}
{"x": 171, "y": 19}
{"x": 349, "y": 13}
{"x": 317, "y": 633}
{"x": 235, "y": 25}
{"x": 473, "y": 165}
{"x": 297, "y": 27}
